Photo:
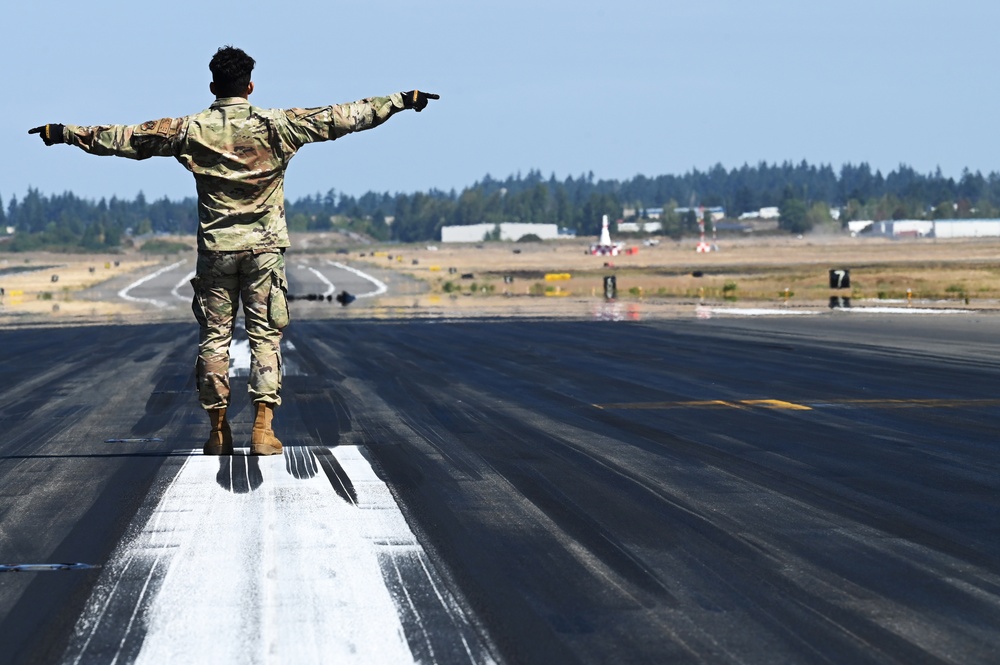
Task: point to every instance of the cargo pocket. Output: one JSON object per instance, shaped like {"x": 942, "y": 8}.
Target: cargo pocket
{"x": 277, "y": 301}
{"x": 198, "y": 303}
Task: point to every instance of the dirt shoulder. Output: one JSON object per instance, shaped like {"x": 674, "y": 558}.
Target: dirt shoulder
{"x": 47, "y": 286}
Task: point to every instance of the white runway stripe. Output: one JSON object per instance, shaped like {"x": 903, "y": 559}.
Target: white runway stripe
{"x": 243, "y": 562}
{"x": 124, "y": 293}
{"x": 330, "y": 288}
{"x": 380, "y": 286}
{"x": 239, "y": 359}
{"x": 185, "y": 282}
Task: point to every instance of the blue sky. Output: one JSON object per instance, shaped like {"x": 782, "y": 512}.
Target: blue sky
{"x": 617, "y": 88}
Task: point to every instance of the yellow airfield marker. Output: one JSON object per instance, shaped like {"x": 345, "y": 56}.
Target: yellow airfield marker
{"x": 775, "y": 404}
{"x": 817, "y": 404}
{"x": 709, "y": 403}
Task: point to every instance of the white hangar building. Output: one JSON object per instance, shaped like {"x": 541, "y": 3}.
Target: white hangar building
{"x": 508, "y": 231}
{"x": 938, "y": 228}
{"x": 966, "y": 228}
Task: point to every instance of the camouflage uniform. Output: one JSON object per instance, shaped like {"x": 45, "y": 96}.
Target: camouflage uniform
{"x": 222, "y": 279}
{"x": 238, "y": 154}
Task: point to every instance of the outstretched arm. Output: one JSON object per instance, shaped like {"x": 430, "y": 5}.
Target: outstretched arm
{"x": 155, "y": 138}
{"x": 331, "y": 122}
{"x": 417, "y": 100}
{"x": 50, "y": 133}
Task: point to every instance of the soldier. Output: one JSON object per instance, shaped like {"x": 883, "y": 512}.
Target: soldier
{"x": 238, "y": 154}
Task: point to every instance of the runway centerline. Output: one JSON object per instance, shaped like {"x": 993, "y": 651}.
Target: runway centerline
{"x": 249, "y": 559}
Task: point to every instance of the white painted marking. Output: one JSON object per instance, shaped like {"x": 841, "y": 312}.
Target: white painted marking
{"x": 175, "y": 292}
{"x": 124, "y": 292}
{"x": 744, "y": 311}
{"x": 380, "y": 286}
{"x": 330, "y": 288}
{"x": 239, "y": 359}
{"x": 281, "y": 571}
{"x": 903, "y": 310}
{"x": 747, "y": 311}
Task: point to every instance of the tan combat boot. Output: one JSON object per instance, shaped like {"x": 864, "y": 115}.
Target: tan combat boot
{"x": 262, "y": 438}
{"x": 220, "y": 439}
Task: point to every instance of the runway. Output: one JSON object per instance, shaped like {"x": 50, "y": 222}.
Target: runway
{"x": 798, "y": 490}
{"x": 166, "y": 291}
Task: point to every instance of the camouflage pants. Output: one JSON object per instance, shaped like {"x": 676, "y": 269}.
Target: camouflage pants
{"x": 222, "y": 280}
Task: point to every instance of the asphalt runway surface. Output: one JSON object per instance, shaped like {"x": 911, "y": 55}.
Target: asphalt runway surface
{"x": 770, "y": 490}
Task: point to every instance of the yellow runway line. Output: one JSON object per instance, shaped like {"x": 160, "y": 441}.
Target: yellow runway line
{"x": 808, "y": 406}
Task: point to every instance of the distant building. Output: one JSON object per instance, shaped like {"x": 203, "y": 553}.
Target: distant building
{"x": 902, "y": 228}
{"x": 925, "y": 228}
{"x": 714, "y": 213}
{"x": 646, "y": 213}
{"x": 508, "y": 231}
{"x": 966, "y": 228}
{"x": 770, "y": 212}
{"x": 639, "y": 227}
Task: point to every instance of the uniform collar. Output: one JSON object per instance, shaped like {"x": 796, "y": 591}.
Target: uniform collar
{"x": 229, "y": 101}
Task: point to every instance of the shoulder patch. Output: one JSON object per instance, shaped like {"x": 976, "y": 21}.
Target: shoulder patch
{"x": 162, "y": 127}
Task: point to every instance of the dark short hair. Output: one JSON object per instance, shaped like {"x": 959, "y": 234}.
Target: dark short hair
{"x": 231, "y": 70}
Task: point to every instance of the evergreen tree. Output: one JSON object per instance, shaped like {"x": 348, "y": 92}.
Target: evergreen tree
{"x": 803, "y": 191}
{"x": 793, "y": 216}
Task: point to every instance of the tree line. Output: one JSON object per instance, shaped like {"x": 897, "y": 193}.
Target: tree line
{"x": 804, "y": 192}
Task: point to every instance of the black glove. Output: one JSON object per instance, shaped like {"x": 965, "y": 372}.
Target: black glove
{"x": 416, "y": 100}
{"x": 53, "y": 133}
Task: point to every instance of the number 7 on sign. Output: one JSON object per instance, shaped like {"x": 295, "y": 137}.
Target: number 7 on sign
{"x": 840, "y": 279}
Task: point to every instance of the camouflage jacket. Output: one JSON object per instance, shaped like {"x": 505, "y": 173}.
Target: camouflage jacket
{"x": 238, "y": 154}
